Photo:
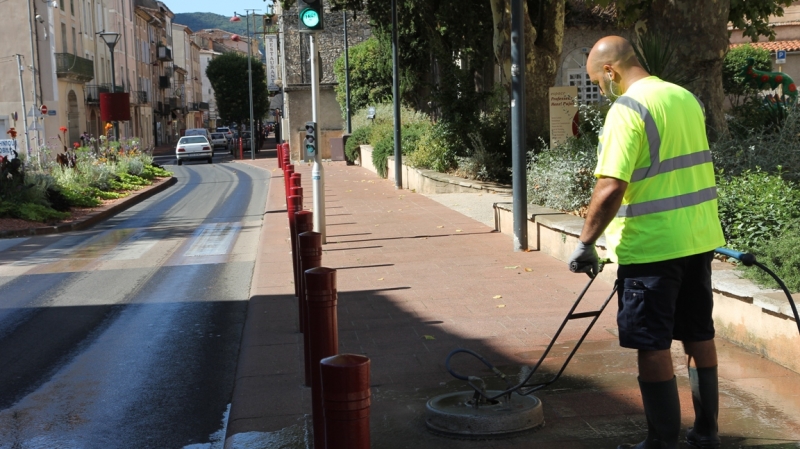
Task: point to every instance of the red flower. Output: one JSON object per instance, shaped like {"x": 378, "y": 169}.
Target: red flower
{"x": 75, "y": 144}
{"x": 63, "y": 129}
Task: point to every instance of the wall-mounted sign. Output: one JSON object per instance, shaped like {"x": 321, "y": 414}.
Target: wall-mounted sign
{"x": 563, "y": 114}
{"x": 780, "y": 57}
{"x": 51, "y": 112}
{"x": 271, "y": 49}
{"x": 7, "y": 147}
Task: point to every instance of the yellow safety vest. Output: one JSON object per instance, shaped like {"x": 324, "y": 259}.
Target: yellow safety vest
{"x": 654, "y": 138}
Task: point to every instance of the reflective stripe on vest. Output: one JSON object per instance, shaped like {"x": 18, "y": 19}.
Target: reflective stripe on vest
{"x": 667, "y": 204}
{"x": 657, "y": 167}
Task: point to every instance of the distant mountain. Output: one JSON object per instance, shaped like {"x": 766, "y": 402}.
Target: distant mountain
{"x": 201, "y": 20}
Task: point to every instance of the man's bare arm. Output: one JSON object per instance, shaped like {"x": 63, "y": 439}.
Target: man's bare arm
{"x": 606, "y": 199}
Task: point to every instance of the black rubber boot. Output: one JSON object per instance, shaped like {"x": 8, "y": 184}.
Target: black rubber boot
{"x": 705, "y": 398}
{"x": 663, "y": 411}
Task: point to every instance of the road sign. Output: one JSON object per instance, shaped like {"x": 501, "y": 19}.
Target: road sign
{"x": 780, "y": 57}
{"x": 43, "y": 109}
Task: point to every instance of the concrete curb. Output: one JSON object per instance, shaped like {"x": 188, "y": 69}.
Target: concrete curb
{"x": 97, "y": 216}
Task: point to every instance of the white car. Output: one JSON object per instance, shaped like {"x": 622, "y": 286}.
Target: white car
{"x": 218, "y": 140}
{"x": 194, "y": 147}
{"x": 228, "y": 133}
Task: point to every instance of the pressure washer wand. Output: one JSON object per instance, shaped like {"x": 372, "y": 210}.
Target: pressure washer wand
{"x": 749, "y": 259}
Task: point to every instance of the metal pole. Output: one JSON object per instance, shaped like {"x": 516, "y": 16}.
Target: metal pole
{"x": 347, "y": 75}
{"x": 32, "y": 24}
{"x": 250, "y": 84}
{"x": 114, "y": 87}
{"x": 518, "y": 143}
{"x": 398, "y": 157}
{"x": 24, "y": 112}
{"x": 317, "y": 172}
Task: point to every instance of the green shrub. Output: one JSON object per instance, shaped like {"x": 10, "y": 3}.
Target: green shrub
{"x": 38, "y": 212}
{"x": 482, "y": 164}
{"x": 780, "y": 255}
{"x": 380, "y": 154}
{"x": 562, "y": 178}
{"x": 152, "y": 172}
{"x": 384, "y": 114}
{"x": 733, "y": 82}
{"x": 436, "y": 149}
{"x": 755, "y": 207}
{"x": 359, "y": 137}
{"x": 81, "y": 197}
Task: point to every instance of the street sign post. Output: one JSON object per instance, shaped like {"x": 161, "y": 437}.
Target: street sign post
{"x": 780, "y": 57}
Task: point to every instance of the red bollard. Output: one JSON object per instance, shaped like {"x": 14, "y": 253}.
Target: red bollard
{"x": 287, "y": 155}
{"x": 241, "y": 149}
{"x": 303, "y": 222}
{"x": 346, "y": 401}
{"x": 287, "y": 174}
{"x": 323, "y": 339}
{"x": 310, "y": 252}
{"x": 279, "y": 155}
{"x": 294, "y": 204}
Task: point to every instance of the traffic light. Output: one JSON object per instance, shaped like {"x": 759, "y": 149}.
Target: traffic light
{"x": 310, "y": 16}
{"x": 311, "y": 138}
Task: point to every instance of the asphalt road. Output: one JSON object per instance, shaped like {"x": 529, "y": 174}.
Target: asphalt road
{"x": 127, "y": 335}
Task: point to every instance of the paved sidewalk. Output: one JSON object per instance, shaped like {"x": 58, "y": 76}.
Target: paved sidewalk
{"x": 416, "y": 280}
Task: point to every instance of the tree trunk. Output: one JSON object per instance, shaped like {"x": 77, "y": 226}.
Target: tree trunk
{"x": 699, "y": 33}
{"x": 544, "y": 34}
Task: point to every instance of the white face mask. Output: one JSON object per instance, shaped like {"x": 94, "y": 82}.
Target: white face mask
{"x": 609, "y": 89}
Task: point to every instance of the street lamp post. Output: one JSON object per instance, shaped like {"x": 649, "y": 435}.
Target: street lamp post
{"x": 111, "y": 40}
{"x": 235, "y": 18}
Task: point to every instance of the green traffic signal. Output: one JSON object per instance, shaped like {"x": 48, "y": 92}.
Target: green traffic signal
{"x": 311, "y": 16}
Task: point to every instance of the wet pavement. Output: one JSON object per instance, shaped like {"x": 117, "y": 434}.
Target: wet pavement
{"x": 416, "y": 280}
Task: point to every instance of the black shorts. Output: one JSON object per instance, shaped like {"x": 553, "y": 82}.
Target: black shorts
{"x": 664, "y": 301}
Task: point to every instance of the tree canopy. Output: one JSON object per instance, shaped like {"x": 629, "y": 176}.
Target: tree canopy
{"x": 228, "y": 76}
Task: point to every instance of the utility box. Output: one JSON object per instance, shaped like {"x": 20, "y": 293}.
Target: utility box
{"x": 337, "y": 148}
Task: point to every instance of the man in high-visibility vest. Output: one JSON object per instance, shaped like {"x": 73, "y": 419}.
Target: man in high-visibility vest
{"x": 656, "y": 201}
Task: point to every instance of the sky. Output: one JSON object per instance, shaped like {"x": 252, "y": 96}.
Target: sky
{"x": 215, "y": 6}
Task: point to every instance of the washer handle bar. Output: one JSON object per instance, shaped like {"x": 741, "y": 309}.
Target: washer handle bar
{"x": 749, "y": 259}
{"x": 530, "y": 388}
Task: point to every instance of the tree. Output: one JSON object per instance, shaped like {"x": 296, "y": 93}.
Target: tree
{"x": 734, "y": 83}
{"x": 699, "y": 31}
{"x": 228, "y": 76}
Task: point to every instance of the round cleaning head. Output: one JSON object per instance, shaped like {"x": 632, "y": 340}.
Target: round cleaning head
{"x": 455, "y": 415}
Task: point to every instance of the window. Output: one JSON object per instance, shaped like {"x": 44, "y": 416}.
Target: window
{"x": 72, "y": 7}
{"x": 61, "y": 4}
{"x": 587, "y": 92}
{"x": 74, "y": 41}
{"x": 64, "y": 48}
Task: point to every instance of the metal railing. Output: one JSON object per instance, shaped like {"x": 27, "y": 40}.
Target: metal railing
{"x": 93, "y": 91}
{"x": 74, "y": 67}
{"x": 203, "y": 106}
{"x": 139, "y": 96}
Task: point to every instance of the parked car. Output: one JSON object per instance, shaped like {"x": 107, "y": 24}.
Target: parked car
{"x": 227, "y": 131}
{"x": 218, "y": 140}
{"x": 198, "y": 132}
{"x": 193, "y": 147}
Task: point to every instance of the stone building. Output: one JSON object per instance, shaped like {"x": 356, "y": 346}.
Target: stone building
{"x": 296, "y": 79}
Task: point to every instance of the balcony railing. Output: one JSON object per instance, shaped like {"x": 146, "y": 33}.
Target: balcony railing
{"x": 93, "y": 92}
{"x": 203, "y": 106}
{"x": 139, "y": 96}
{"x": 74, "y": 68}
{"x": 164, "y": 54}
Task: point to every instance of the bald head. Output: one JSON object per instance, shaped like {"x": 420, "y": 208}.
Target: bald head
{"x": 612, "y": 50}
{"x": 612, "y": 59}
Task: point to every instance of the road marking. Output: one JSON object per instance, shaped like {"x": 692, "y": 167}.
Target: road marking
{"x": 213, "y": 239}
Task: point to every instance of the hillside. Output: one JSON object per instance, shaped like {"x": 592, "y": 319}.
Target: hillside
{"x": 197, "y": 21}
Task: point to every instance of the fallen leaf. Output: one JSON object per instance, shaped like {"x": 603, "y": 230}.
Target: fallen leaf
{"x": 458, "y": 230}
{"x": 500, "y": 306}
{"x": 497, "y": 296}
{"x": 440, "y": 227}
{"x": 377, "y": 226}
{"x": 512, "y": 268}
{"x": 428, "y": 337}
{"x": 348, "y": 190}
{"x": 380, "y": 279}
{"x": 388, "y": 211}
{"x": 529, "y": 270}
